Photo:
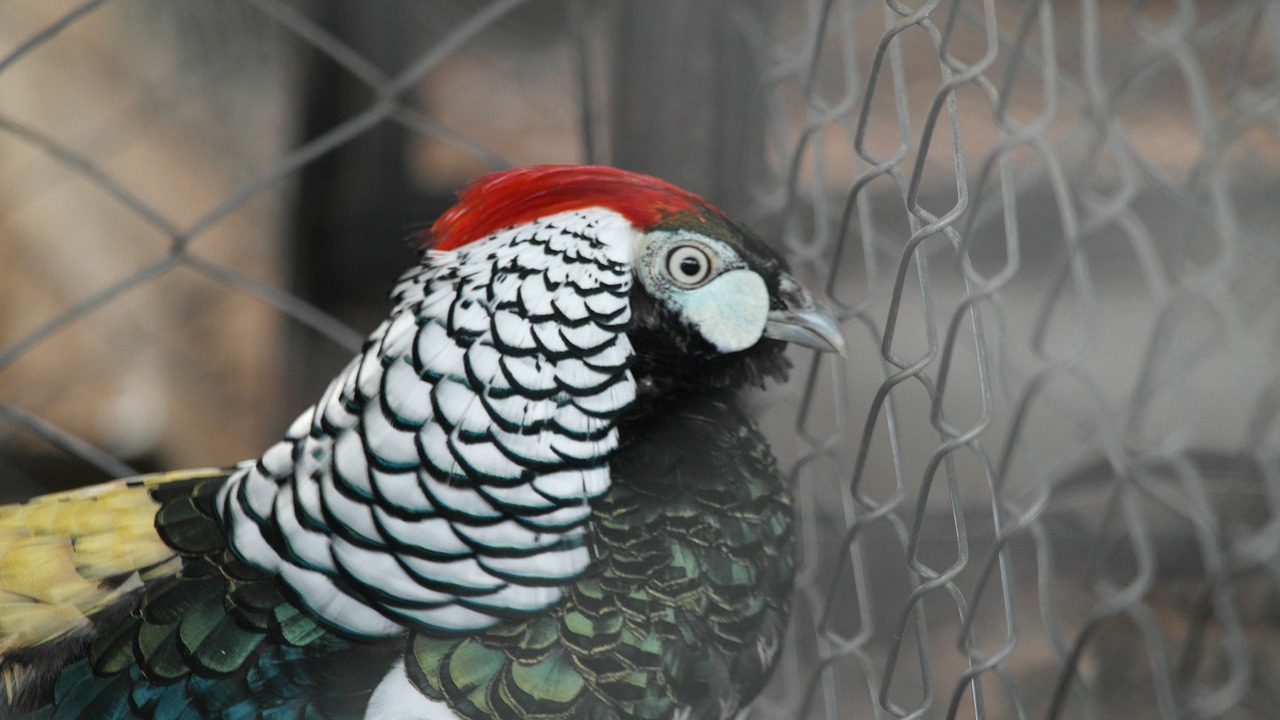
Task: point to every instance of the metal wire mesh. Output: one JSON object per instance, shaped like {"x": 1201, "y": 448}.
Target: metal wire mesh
{"x": 1045, "y": 482}
{"x": 1052, "y": 241}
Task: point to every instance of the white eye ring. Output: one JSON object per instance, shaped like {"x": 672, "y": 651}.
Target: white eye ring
{"x": 689, "y": 265}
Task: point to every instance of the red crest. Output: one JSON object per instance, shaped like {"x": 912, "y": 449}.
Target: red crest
{"x": 522, "y": 194}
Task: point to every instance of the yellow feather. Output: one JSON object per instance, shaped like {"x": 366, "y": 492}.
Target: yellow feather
{"x": 40, "y": 567}
{"x": 32, "y": 623}
{"x": 56, "y": 550}
{"x": 12, "y": 676}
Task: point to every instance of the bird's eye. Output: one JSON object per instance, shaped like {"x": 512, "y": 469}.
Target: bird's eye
{"x": 688, "y": 265}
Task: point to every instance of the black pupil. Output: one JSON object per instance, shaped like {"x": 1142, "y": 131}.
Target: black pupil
{"x": 690, "y": 266}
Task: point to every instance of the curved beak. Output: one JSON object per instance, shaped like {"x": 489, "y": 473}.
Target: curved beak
{"x": 803, "y": 322}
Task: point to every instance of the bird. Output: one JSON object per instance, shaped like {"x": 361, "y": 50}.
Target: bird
{"x": 535, "y": 492}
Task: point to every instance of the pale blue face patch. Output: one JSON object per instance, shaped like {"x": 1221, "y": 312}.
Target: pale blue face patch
{"x": 707, "y": 284}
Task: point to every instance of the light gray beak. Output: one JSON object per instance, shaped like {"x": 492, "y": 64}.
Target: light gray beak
{"x": 803, "y": 322}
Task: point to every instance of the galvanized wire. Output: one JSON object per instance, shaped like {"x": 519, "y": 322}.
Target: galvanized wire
{"x": 1045, "y": 483}
{"x": 1040, "y": 576}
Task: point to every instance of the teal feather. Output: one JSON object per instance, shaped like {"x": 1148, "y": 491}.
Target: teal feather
{"x": 80, "y": 695}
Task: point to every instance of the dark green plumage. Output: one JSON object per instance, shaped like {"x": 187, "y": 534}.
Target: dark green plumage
{"x": 683, "y": 606}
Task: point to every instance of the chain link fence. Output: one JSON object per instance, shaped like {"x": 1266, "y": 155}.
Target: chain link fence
{"x": 1045, "y": 483}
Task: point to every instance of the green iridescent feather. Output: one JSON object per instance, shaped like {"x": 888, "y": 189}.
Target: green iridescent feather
{"x": 683, "y": 605}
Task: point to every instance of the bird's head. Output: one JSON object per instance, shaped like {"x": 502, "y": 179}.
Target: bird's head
{"x": 711, "y": 305}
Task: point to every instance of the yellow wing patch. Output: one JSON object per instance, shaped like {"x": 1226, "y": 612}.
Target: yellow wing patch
{"x": 56, "y": 550}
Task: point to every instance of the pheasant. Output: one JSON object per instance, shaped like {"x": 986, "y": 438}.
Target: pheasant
{"x": 532, "y": 494}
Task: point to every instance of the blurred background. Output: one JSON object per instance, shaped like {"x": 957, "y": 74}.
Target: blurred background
{"x": 1044, "y": 484}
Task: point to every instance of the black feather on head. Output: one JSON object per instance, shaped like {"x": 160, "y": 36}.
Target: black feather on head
{"x": 673, "y": 360}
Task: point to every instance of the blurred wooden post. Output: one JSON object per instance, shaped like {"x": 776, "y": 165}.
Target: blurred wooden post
{"x": 685, "y": 94}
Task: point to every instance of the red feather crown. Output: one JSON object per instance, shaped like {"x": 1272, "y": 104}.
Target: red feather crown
{"x": 516, "y": 196}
